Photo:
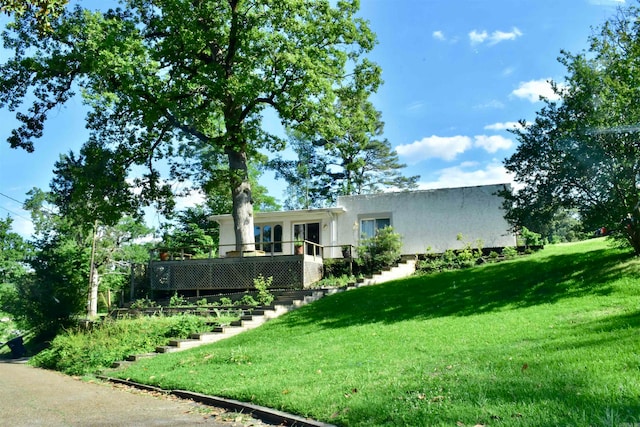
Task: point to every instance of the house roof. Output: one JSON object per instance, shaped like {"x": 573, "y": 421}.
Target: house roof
{"x": 315, "y": 213}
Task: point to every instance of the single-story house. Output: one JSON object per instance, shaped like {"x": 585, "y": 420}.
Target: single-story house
{"x": 426, "y": 219}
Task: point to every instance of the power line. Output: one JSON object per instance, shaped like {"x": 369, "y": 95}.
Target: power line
{"x": 11, "y": 198}
{"x": 16, "y": 214}
{"x": 22, "y": 204}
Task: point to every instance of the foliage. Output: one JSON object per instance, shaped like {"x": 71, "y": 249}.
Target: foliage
{"x": 14, "y": 253}
{"x": 509, "y": 252}
{"x": 449, "y": 260}
{"x": 581, "y": 153}
{"x": 56, "y": 293}
{"x": 177, "y": 300}
{"x": 262, "y": 285}
{"x": 530, "y": 238}
{"x": 249, "y": 300}
{"x": 340, "y": 281}
{"x": 41, "y": 12}
{"x": 117, "y": 249}
{"x": 226, "y": 301}
{"x": 183, "y": 326}
{"x": 336, "y": 267}
{"x": 544, "y": 340}
{"x": 356, "y": 161}
{"x": 143, "y": 303}
{"x": 380, "y": 251}
{"x": 79, "y": 351}
{"x": 186, "y": 83}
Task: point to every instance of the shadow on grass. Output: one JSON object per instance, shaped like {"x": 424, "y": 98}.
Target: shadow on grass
{"x": 512, "y": 284}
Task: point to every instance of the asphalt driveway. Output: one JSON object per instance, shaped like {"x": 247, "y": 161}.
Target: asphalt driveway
{"x": 36, "y": 397}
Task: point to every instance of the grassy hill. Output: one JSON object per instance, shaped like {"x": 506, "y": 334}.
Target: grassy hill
{"x": 549, "y": 339}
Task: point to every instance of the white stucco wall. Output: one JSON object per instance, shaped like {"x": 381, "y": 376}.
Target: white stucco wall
{"x": 428, "y": 218}
{"x": 432, "y": 218}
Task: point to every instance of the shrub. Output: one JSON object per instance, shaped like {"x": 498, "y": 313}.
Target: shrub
{"x": 262, "y": 285}
{"x": 335, "y": 281}
{"x": 79, "y": 351}
{"x": 143, "y": 303}
{"x": 177, "y": 301}
{"x": 509, "y": 252}
{"x": 226, "y": 301}
{"x": 530, "y": 238}
{"x": 248, "y": 300}
{"x": 380, "y": 251}
{"x": 184, "y": 325}
{"x": 335, "y": 267}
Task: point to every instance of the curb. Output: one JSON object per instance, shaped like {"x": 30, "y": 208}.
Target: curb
{"x": 263, "y": 413}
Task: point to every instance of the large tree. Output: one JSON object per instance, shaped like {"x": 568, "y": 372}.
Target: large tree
{"x": 583, "y": 152}
{"x": 14, "y": 254}
{"x": 40, "y": 11}
{"x": 347, "y": 156}
{"x": 162, "y": 75}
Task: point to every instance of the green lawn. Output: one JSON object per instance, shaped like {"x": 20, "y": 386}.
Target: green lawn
{"x": 546, "y": 340}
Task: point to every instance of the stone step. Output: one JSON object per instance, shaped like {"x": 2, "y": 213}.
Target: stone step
{"x": 285, "y": 302}
{"x": 136, "y": 357}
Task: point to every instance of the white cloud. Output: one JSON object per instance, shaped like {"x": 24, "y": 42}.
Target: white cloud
{"x": 500, "y": 36}
{"x": 464, "y": 175}
{"x": 534, "y": 89}
{"x": 508, "y": 71}
{"x": 477, "y": 37}
{"x": 439, "y": 35}
{"x": 415, "y": 106}
{"x": 493, "y": 104}
{"x": 503, "y": 126}
{"x": 492, "y": 143}
{"x": 446, "y": 148}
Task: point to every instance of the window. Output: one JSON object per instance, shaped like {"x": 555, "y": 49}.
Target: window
{"x": 369, "y": 226}
{"x": 268, "y": 237}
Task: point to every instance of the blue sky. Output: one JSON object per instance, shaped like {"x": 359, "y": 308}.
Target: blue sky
{"x": 456, "y": 75}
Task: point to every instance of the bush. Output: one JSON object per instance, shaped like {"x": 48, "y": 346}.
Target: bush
{"x": 262, "y": 285}
{"x": 183, "y": 326}
{"x": 143, "y": 303}
{"x": 509, "y": 252}
{"x": 177, "y": 301}
{"x": 248, "y": 300}
{"x": 530, "y": 238}
{"x": 380, "y": 251}
{"x": 80, "y": 351}
{"x": 336, "y": 267}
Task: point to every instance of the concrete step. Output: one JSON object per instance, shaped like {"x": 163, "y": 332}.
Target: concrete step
{"x": 252, "y": 318}
{"x": 136, "y": 357}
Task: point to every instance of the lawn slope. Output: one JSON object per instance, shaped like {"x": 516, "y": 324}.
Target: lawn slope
{"x": 549, "y": 339}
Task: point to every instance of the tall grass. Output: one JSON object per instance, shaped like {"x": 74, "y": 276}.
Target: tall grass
{"x": 546, "y": 340}
{"x": 79, "y": 351}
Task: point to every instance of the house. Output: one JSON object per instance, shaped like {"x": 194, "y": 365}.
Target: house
{"x": 426, "y": 219}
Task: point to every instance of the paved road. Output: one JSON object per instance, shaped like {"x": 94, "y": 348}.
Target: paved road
{"x": 37, "y": 397}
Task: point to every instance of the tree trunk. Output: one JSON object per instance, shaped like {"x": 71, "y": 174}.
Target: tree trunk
{"x": 242, "y": 203}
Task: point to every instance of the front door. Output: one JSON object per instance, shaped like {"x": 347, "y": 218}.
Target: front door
{"x": 309, "y": 232}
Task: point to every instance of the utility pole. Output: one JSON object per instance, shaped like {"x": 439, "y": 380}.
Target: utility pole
{"x": 92, "y": 300}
